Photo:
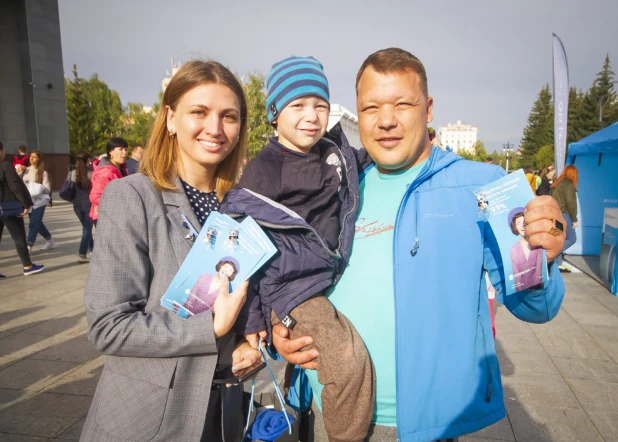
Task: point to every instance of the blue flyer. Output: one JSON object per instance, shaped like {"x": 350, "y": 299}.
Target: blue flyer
{"x": 221, "y": 248}
{"x": 502, "y": 204}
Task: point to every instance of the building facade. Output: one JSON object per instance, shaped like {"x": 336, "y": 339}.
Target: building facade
{"x": 349, "y": 123}
{"x": 32, "y": 100}
{"x": 459, "y": 136}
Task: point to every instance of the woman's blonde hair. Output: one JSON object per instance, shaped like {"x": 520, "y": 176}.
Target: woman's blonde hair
{"x": 161, "y": 156}
{"x": 569, "y": 172}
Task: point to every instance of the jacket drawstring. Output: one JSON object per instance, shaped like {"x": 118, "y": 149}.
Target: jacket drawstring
{"x": 414, "y": 250}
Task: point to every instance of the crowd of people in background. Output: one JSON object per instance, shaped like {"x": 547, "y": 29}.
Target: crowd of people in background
{"x": 25, "y": 184}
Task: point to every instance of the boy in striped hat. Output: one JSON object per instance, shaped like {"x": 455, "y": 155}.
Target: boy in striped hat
{"x": 306, "y": 184}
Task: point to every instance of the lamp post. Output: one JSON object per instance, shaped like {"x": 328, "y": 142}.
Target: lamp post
{"x": 507, "y": 149}
{"x": 602, "y": 99}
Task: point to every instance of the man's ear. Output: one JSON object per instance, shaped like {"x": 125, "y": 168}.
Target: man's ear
{"x": 429, "y": 109}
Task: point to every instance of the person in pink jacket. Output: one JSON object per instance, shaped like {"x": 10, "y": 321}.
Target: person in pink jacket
{"x": 106, "y": 170}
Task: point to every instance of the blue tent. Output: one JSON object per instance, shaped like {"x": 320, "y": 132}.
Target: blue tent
{"x": 596, "y": 159}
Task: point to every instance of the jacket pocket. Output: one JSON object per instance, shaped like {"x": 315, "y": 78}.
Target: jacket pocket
{"x": 132, "y": 404}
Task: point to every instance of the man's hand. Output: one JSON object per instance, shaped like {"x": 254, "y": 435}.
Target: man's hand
{"x": 227, "y": 306}
{"x": 539, "y": 218}
{"x": 290, "y": 349}
{"x": 23, "y": 212}
{"x": 254, "y": 338}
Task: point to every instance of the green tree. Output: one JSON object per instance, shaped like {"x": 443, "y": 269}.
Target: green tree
{"x": 107, "y": 110}
{"x": 80, "y": 115}
{"x": 94, "y": 113}
{"x": 604, "y": 94}
{"x": 540, "y": 129}
{"x": 259, "y": 129}
{"x": 545, "y": 156}
{"x": 137, "y": 124}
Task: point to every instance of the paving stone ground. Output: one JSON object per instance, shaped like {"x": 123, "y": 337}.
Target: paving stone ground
{"x": 560, "y": 379}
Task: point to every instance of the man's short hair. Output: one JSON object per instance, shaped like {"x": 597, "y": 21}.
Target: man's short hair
{"x": 489, "y": 160}
{"x": 22, "y": 149}
{"x": 116, "y": 142}
{"x": 394, "y": 60}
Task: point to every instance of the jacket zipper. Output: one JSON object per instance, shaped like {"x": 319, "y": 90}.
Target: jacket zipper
{"x": 345, "y": 217}
{"x": 417, "y": 182}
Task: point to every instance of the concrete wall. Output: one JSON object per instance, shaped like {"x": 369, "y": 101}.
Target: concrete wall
{"x": 32, "y": 99}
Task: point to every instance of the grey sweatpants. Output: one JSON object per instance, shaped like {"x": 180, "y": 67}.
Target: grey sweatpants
{"x": 344, "y": 368}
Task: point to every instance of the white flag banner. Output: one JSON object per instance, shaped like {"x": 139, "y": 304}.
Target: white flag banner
{"x": 561, "y": 102}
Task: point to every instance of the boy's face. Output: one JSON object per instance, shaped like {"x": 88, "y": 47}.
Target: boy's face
{"x": 302, "y": 123}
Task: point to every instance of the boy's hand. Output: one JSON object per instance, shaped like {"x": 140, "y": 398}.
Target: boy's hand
{"x": 290, "y": 349}
{"x": 254, "y": 338}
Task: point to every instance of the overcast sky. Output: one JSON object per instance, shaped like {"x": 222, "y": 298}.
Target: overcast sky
{"x": 486, "y": 60}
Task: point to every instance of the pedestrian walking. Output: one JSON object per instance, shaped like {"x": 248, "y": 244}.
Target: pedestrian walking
{"x": 15, "y": 201}
{"x": 37, "y": 180}
{"x": 81, "y": 204}
{"x": 564, "y": 190}
{"x": 544, "y": 187}
{"x": 106, "y": 169}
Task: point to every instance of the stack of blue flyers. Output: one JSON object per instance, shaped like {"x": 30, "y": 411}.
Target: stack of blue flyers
{"x": 502, "y": 204}
{"x": 223, "y": 247}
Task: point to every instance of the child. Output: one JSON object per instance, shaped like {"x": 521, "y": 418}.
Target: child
{"x": 21, "y": 160}
{"x": 303, "y": 189}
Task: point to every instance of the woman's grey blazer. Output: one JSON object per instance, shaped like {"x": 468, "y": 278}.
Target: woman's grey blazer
{"x": 157, "y": 378}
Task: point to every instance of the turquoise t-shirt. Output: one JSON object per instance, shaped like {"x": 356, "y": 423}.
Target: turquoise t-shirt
{"x": 365, "y": 292}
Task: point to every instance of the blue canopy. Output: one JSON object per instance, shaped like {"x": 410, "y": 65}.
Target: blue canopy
{"x": 596, "y": 159}
{"x": 603, "y": 141}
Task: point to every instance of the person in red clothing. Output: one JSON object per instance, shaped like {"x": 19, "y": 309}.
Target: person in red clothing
{"x": 21, "y": 160}
{"x": 106, "y": 170}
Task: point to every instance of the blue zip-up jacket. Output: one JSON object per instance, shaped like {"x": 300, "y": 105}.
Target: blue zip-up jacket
{"x": 304, "y": 265}
{"x": 448, "y": 377}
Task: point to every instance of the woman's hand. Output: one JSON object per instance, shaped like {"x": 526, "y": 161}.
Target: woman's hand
{"x": 245, "y": 358}
{"x": 290, "y": 349}
{"x": 227, "y": 306}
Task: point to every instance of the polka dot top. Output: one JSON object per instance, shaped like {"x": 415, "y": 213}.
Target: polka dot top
{"x": 202, "y": 203}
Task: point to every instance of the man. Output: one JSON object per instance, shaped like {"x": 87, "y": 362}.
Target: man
{"x": 136, "y": 157}
{"x": 489, "y": 160}
{"x": 426, "y": 325}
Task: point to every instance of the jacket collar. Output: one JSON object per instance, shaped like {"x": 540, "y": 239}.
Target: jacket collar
{"x": 177, "y": 205}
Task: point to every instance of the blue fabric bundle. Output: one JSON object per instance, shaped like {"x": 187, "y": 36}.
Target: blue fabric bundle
{"x": 269, "y": 424}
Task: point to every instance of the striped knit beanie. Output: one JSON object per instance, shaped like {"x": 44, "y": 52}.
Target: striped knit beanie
{"x": 293, "y": 78}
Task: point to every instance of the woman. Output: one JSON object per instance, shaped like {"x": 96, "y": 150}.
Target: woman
{"x": 37, "y": 181}
{"x": 564, "y": 190}
{"x": 527, "y": 262}
{"x": 204, "y": 293}
{"x": 157, "y": 380}
{"x": 531, "y": 178}
{"x": 544, "y": 186}
{"x": 107, "y": 169}
{"x": 14, "y": 204}
{"x": 81, "y": 204}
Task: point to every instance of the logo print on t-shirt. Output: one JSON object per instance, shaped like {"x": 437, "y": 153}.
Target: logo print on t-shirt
{"x": 333, "y": 160}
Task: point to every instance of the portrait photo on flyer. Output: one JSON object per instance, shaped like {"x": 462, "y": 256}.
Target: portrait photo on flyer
{"x": 223, "y": 251}
{"x": 502, "y": 203}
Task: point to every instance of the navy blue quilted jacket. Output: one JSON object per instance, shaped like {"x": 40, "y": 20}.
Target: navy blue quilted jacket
{"x": 304, "y": 266}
